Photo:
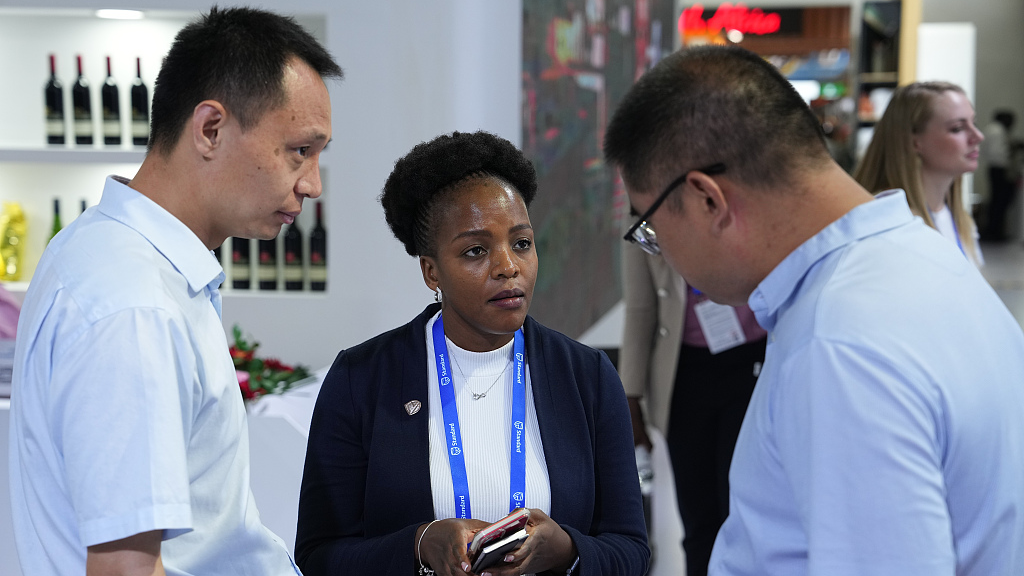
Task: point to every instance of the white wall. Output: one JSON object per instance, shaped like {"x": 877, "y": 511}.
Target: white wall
{"x": 413, "y": 70}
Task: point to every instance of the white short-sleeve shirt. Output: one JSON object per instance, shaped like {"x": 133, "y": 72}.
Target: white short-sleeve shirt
{"x": 126, "y": 415}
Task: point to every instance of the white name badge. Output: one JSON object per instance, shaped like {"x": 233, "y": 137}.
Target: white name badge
{"x": 720, "y": 325}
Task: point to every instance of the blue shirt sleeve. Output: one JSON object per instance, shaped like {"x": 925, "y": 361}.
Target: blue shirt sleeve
{"x": 121, "y": 406}
{"x": 862, "y": 445}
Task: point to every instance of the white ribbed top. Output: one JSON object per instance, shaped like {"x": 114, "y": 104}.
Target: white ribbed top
{"x": 485, "y": 425}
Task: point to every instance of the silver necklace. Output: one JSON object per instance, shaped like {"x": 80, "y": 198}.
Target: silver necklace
{"x": 477, "y": 396}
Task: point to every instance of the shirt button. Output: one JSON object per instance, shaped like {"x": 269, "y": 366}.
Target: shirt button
{"x": 663, "y": 331}
{"x": 662, "y": 293}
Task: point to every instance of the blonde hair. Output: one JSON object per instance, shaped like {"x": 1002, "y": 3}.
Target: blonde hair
{"x": 891, "y": 162}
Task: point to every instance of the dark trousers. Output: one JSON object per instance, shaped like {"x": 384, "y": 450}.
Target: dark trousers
{"x": 1003, "y": 190}
{"x": 708, "y": 403}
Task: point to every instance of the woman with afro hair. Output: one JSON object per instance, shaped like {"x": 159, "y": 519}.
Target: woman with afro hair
{"x": 424, "y": 435}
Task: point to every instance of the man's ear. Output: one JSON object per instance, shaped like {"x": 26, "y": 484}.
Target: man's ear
{"x": 207, "y": 127}
{"x": 713, "y": 201}
{"x": 428, "y": 266}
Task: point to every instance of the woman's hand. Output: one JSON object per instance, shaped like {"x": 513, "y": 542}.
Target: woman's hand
{"x": 548, "y": 548}
{"x": 443, "y": 548}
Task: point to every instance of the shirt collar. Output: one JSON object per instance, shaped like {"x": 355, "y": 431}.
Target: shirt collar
{"x": 170, "y": 236}
{"x": 888, "y": 210}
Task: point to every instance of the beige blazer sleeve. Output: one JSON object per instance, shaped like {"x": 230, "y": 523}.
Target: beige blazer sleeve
{"x": 652, "y": 331}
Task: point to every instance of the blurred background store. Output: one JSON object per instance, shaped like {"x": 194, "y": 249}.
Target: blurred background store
{"x": 545, "y": 74}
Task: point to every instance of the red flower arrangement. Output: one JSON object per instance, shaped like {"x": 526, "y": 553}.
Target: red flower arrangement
{"x": 257, "y": 376}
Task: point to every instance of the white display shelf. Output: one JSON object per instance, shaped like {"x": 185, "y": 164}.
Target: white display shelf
{"x": 81, "y": 155}
{"x": 33, "y": 173}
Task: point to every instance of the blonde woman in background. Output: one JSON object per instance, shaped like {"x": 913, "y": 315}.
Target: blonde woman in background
{"x": 924, "y": 143}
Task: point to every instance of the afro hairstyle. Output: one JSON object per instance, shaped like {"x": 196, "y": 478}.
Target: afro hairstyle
{"x": 410, "y": 195}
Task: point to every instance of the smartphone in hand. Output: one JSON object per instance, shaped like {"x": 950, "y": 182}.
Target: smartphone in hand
{"x": 491, "y": 544}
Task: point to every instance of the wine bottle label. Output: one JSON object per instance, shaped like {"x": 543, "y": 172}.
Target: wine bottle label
{"x": 140, "y": 129}
{"x": 111, "y": 127}
{"x": 318, "y": 273}
{"x": 83, "y": 127}
{"x": 240, "y": 270}
{"x": 293, "y": 273}
{"x": 55, "y": 126}
{"x": 267, "y": 273}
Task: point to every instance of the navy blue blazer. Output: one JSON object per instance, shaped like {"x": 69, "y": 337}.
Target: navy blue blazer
{"x": 366, "y": 483}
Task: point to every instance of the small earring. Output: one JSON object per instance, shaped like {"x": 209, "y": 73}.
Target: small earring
{"x": 437, "y": 295}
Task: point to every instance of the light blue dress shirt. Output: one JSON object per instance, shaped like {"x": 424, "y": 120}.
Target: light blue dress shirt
{"x": 885, "y": 435}
{"x": 126, "y": 415}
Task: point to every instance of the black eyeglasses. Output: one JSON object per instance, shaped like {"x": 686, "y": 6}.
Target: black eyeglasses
{"x": 641, "y": 232}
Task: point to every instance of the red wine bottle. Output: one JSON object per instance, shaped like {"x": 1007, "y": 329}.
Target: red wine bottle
{"x": 293, "y": 257}
{"x": 267, "y": 267}
{"x": 140, "y": 108}
{"x": 318, "y": 252}
{"x": 111, "y": 109}
{"x": 82, "y": 102}
{"x": 240, "y": 275}
{"x": 84, "y": 207}
{"x": 54, "y": 94}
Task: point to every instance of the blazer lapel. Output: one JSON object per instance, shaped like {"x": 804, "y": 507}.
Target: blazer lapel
{"x": 556, "y": 400}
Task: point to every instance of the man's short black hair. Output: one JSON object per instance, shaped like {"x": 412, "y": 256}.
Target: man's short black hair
{"x": 420, "y": 178}
{"x": 235, "y": 56}
{"x": 713, "y": 104}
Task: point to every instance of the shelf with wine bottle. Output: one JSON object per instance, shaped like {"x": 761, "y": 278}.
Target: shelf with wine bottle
{"x": 291, "y": 263}
{"x": 67, "y": 123}
{"x": 41, "y": 159}
{"x": 94, "y": 64}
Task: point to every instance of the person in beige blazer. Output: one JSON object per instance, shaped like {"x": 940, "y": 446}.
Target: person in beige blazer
{"x": 695, "y": 398}
{"x": 655, "y": 299}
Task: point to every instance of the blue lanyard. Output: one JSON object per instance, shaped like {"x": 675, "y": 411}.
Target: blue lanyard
{"x": 456, "y": 458}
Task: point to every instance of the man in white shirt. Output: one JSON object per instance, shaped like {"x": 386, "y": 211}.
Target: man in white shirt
{"x": 885, "y": 435}
{"x": 129, "y": 447}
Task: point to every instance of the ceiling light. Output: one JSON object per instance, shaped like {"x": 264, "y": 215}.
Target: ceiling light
{"x": 120, "y": 14}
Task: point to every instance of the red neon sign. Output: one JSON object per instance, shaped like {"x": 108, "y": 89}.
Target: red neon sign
{"x": 729, "y": 17}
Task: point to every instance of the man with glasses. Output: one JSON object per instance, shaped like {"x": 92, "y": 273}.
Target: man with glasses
{"x": 886, "y": 431}
{"x": 689, "y": 367}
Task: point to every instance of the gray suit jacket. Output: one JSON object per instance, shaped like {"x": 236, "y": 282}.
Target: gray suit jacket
{"x": 652, "y": 331}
